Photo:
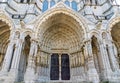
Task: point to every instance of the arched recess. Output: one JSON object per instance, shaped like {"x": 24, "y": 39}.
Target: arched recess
{"x": 79, "y": 21}
{"x": 60, "y": 31}
{"x": 63, "y": 27}
{"x": 6, "y": 26}
{"x": 4, "y": 40}
{"x": 115, "y": 34}
{"x": 26, "y": 36}
{"x": 112, "y": 23}
{"x": 113, "y": 29}
{"x": 4, "y": 16}
{"x": 96, "y": 54}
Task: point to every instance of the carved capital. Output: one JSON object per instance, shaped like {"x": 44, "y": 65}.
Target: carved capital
{"x": 87, "y": 41}
{"x": 34, "y": 41}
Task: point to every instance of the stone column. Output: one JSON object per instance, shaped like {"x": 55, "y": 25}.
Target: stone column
{"x": 14, "y": 71}
{"x": 114, "y": 63}
{"x": 7, "y": 59}
{"x": 92, "y": 73}
{"x": 115, "y": 66}
{"x": 49, "y": 66}
{"x": 30, "y": 71}
{"x": 106, "y": 69}
{"x": 59, "y": 67}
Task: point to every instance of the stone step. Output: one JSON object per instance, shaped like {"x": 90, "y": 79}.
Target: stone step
{"x": 62, "y": 82}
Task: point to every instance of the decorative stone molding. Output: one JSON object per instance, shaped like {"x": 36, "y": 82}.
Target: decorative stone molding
{"x": 25, "y": 32}
{"x": 5, "y": 17}
{"x": 60, "y": 8}
{"x": 32, "y": 64}
{"x": 112, "y": 22}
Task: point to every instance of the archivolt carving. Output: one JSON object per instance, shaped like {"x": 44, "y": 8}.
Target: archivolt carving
{"x": 112, "y": 23}
{"x": 58, "y": 10}
{"x": 95, "y": 33}
{"x": 61, "y": 31}
{"x": 72, "y": 23}
{"x": 6, "y": 25}
{"x": 4, "y": 17}
{"x": 24, "y": 32}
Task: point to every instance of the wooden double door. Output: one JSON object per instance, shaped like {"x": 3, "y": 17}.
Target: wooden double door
{"x": 60, "y": 67}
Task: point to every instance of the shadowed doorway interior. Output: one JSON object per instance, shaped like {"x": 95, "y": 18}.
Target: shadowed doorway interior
{"x": 65, "y": 68}
{"x": 56, "y": 64}
{"x": 54, "y": 73}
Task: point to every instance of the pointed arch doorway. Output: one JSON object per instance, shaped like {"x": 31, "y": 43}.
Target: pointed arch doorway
{"x": 60, "y": 36}
{"x": 60, "y": 67}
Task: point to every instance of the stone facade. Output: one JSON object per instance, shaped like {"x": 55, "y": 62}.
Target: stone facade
{"x": 31, "y": 31}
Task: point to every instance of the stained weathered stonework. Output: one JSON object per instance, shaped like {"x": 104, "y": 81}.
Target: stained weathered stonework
{"x": 65, "y": 41}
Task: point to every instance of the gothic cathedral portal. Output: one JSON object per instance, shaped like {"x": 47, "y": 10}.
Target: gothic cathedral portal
{"x": 59, "y": 41}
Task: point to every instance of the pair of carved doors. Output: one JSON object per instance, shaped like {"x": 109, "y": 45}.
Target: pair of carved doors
{"x": 60, "y": 67}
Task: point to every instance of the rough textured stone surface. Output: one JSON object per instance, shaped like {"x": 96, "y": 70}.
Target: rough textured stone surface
{"x": 86, "y": 31}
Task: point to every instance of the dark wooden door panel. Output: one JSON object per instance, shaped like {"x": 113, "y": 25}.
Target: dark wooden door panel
{"x": 65, "y": 68}
{"x": 54, "y": 72}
